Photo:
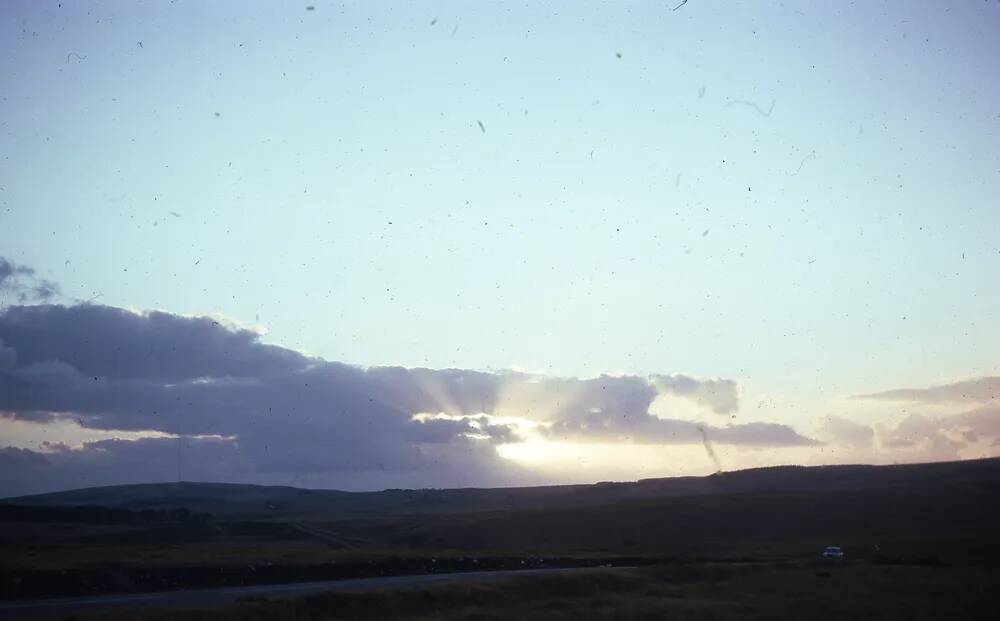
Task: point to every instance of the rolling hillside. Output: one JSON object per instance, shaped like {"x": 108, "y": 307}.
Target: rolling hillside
{"x": 275, "y": 502}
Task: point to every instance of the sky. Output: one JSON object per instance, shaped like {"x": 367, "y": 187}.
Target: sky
{"x": 573, "y": 241}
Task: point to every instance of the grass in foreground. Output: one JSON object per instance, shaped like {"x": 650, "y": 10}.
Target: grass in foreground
{"x": 681, "y": 591}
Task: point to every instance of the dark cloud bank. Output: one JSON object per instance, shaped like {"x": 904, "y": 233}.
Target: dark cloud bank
{"x": 253, "y": 412}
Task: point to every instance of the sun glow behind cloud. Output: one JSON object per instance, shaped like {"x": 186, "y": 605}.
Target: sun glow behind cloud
{"x": 528, "y": 409}
{"x": 569, "y": 461}
{"x": 576, "y": 462}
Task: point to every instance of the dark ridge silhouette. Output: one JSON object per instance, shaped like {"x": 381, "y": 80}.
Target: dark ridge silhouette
{"x": 254, "y": 501}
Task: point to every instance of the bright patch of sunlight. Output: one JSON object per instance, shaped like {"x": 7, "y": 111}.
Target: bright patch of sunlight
{"x": 30, "y": 435}
{"x": 536, "y": 451}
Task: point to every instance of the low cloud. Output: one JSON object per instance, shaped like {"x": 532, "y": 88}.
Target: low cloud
{"x": 12, "y": 458}
{"x": 979, "y": 390}
{"x": 846, "y": 433}
{"x": 722, "y": 396}
{"x": 923, "y": 434}
{"x": 643, "y": 428}
{"x": 246, "y": 410}
{"x": 121, "y": 461}
{"x": 983, "y": 421}
{"x": 442, "y": 428}
{"x": 929, "y": 437}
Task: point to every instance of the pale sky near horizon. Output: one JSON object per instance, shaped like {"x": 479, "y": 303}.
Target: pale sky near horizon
{"x": 801, "y": 196}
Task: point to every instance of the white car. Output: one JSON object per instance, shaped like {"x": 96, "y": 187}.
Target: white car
{"x": 833, "y": 552}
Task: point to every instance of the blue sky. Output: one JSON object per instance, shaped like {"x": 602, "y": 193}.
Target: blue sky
{"x": 800, "y": 196}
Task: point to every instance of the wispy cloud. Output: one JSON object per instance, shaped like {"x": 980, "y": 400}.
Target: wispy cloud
{"x": 978, "y": 390}
{"x": 20, "y": 284}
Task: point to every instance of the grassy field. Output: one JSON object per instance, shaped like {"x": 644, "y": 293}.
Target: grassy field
{"x": 933, "y": 514}
{"x": 720, "y": 591}
{"x": 719, "y": 526}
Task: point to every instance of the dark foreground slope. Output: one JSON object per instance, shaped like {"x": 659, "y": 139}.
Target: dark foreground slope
{"x": 165, "y": 536}
{"x": 676, "y": 591}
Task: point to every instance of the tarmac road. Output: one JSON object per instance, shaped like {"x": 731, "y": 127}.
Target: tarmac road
{"x": 207, "y": 597}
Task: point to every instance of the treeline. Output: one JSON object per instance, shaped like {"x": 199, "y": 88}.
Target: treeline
{"x": 97, "y": 515}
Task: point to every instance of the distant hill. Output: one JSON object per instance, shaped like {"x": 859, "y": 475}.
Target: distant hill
{"x": 278, "y": 502}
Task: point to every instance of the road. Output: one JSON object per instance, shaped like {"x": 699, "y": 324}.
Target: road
{"x": 208, "y": 597}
